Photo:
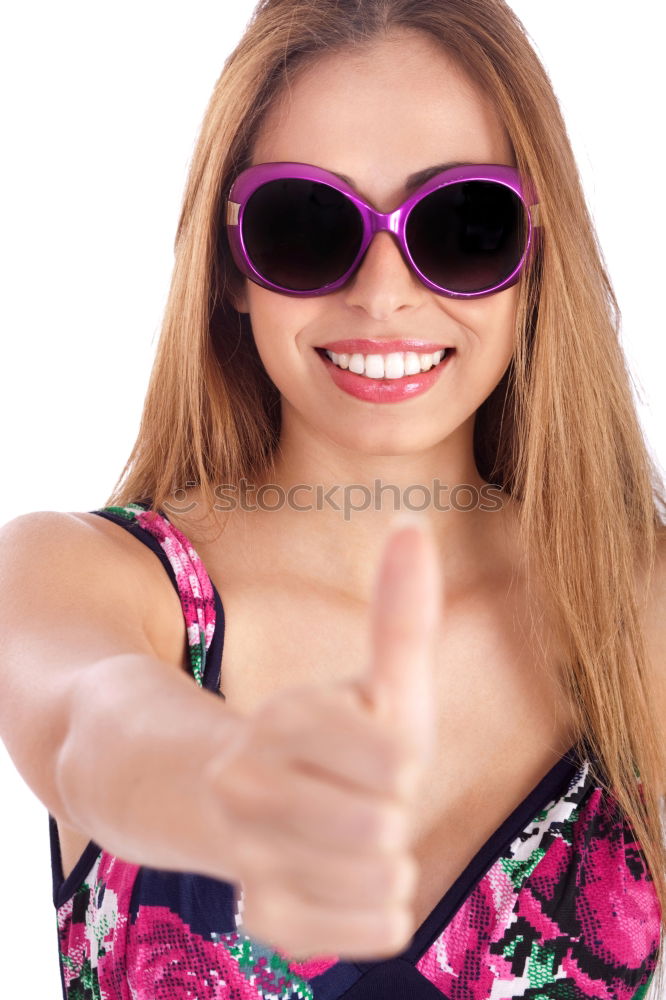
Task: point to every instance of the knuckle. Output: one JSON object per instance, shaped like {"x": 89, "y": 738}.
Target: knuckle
{"x": 397, "y": 760}
{"x": 398, "y": 929}
{"x": 408, "y": 777}
{"x": 248, "y": 795}
{"x": 403, "y": 878}
{"x": 277, "y": 806}
{"x": 254, "y": 861}
{"x": 388, "y": 752}
{"x": 283, "y": 724}
{"x": 386, "y": 932}
{"x": 278, "y": 715}
{"x": 383, "y": 826}
{"x": 395, "y": 766}
{"x": 259, "y": 915}
{"x": 391, "y": 879}
{"x": 282, "y": 923}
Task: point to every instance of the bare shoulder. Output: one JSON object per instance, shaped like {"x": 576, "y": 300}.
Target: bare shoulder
{"x": 164, "y": 622}
{"x": 52, "y": 550}
{"x": 63, "y": 538}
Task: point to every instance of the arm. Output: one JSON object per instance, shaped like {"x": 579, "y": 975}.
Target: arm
{"x": 110, "y": 736}
{"x": 133, "y": 770}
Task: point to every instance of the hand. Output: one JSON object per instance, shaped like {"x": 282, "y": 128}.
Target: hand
{"x": 322, "y": 787}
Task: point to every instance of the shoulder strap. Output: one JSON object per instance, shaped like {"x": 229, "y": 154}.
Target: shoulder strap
{"x": 199, "y": 599}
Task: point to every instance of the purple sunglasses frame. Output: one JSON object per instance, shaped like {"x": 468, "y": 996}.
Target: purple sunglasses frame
{"x": 249, "y": 180}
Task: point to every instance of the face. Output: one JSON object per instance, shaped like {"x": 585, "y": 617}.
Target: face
{"x": 378, "y": 115}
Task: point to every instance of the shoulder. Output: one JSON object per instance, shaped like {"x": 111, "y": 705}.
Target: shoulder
{"x": 70, "y": 538}
{"x": 79, "y": 583}
{"x": 145, "y": 578}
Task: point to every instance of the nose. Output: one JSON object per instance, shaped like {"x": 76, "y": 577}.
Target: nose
{"x": 384, "y": 282}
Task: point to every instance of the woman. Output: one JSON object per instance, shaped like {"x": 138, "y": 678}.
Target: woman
{"x": 467, "y": 804}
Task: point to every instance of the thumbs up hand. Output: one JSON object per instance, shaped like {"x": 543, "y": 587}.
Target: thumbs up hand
{"x": 322, "y": 786}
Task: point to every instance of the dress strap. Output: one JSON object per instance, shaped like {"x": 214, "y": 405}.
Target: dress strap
{"x": 199, "y": 600}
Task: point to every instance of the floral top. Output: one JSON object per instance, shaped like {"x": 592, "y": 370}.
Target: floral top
{"x": 558, "y": 903}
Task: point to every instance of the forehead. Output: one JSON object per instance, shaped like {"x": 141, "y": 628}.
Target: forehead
{"x": 382, "y": 112}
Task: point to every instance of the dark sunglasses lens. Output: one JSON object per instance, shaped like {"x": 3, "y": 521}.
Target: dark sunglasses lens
{"x": 468, "y": 236}
{"x": 300, "y": 234}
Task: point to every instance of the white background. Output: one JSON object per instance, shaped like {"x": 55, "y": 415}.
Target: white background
{"x": 100, "y": 109}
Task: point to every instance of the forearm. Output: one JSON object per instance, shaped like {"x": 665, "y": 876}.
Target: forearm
{"x": 131, "y": 772}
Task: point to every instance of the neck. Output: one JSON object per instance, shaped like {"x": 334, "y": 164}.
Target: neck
{"x": 324, "y": 511}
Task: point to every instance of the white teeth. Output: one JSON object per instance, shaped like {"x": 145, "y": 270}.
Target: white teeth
{"x": 374, "y": 366}
{"x": 394, "y": 365}
{"x": 428, "y": 360}
{"x": 412, "y": 363}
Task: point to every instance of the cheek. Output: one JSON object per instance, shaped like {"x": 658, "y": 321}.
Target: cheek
{"x": 276, "y": 321}
{"x": 490, "y": 326}
{"x": 501, "y": 336}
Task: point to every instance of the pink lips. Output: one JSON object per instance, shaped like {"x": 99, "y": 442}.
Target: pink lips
{"x": 359, "y": 346}
{"x": 383, "y": 390}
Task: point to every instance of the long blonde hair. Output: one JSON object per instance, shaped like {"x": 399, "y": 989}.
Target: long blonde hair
{"x": 559, "y": 433}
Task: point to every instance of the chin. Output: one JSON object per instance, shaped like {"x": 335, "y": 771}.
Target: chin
{"x": 389, "y": 442}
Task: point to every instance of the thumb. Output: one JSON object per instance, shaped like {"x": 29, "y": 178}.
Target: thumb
{"x": 405, "y": 615}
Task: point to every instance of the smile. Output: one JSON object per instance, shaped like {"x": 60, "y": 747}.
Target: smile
{"x": 387, "y": 366}
{"x": 386, "y": 378}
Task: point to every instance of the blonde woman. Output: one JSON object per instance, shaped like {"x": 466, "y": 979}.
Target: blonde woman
{"x": 288, "y": 747}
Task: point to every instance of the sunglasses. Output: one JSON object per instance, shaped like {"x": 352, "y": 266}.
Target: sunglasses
{"x": 301, "y": 230}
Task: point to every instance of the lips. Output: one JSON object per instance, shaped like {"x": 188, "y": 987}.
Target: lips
{"x": 358, "y": 345}
{"x": 383, "y": 390}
